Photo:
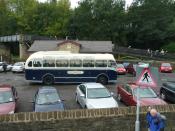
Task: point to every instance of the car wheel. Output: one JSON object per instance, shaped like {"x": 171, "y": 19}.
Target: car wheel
{"x": 48, "y": 80}
{"x": 119, "y": 97}
{"x": 103, "y": 80}
{"x": 162, "y": 95}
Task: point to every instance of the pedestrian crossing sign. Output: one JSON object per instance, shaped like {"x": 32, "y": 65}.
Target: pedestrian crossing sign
{"x": 146, "y": 78}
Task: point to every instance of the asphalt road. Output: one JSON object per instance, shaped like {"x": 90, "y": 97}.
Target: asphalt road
{"x": 26, "y": 90}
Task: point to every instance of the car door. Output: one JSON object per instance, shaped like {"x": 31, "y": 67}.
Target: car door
{"x": 170, "y": 93}
{"x": 81, "y": 94}
{"x": 124, "y": 94}
{"x": 128, "y": 95}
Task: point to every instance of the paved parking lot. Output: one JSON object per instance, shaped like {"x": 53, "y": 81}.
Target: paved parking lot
{"x": 26, "y": 90}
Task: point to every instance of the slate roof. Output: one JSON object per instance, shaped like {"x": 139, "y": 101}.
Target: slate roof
{"x": 86, "y": 46}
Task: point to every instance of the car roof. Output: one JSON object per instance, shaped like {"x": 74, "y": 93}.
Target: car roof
{"x": 133, "y": 86}
{"x": 93, "y": 85}
{"x": 47, "y": 89}
{"x": 171, "y": 84}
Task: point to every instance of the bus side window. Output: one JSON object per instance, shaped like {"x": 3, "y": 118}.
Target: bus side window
{"x": 111, "y": 63}
{"x": 49, "y": 63}
{"x": 101, "y": 63}
{"x": 75, "y": 63}
{"x": 37, "y": 63}
{"x": 88, "y": 63}
{"x": 62, "y": 63}
{"x": 30, "y": 64}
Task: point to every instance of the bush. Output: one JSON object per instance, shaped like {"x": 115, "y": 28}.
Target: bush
{"x": 170, "y": 47}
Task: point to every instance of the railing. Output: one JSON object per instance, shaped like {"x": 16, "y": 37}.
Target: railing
{"x": 144, "y": 53}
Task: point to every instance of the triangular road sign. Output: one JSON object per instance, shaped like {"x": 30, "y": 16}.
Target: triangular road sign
{"x": 146, "y": 79}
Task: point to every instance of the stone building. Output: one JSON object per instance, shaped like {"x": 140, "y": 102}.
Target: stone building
{"x": 72, "y": 46}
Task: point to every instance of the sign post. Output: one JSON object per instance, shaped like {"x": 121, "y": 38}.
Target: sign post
{"x": 146, "y": 79}
{"x": 137, "y": 123}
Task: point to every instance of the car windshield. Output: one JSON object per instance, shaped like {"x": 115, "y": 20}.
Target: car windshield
{"x": 98, "y": 93}
{"x": 145, "y": 93}
{"x": 6, "y": 96}
{"x": 171, "y": 86}
{"x": 18, "y": 64}
{"x": 120, "y": 66}
{"x": 166, "y": 64}
{"x": 47, "y": 98}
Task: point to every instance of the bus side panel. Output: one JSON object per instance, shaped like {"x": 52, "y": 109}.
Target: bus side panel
{"x": 70, "y": 75}
{"x": 112, "y": 74}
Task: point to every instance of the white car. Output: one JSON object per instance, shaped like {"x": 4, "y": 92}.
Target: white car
{"x": 1, "y": 66}
{"x": 94, "y": 96}
{"x": 18, "y": 67}
{"x": 143, "y": 65}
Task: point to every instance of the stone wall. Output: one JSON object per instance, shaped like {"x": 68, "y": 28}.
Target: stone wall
{"x": 115, "y": 119}
{"x": 69, "y": 47}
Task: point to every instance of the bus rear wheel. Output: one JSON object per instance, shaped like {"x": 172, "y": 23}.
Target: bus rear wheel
{"x": 48, "y": 80}
{"x": 103, "y": 80}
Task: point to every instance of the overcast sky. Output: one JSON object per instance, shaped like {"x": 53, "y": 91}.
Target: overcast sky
{"x": 74, "y": 3}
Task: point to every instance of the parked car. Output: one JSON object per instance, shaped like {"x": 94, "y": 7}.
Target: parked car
{"x": 125, "y": 64}
{"x": 131, "y": 69}
{"x": 47, "y": 99}
{"x": 8, "y": 99}
{"x": 120, "y": 69}
{"x": 18, "y": 67}
{"x": 94, "y": 95}
{"x": 7, "y": 65}
{"x": 128, "y": 94}
{"x": 143, "y": 65}
{"x": 166, "y": 68}
{"x": 167, "y": 92}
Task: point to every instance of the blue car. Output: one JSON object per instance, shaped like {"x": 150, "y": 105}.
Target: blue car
{"x": 47, "y": 99}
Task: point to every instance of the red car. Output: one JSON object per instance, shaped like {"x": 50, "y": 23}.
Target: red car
{"x": 166, "y": 67}
{"x": 120, "y": 69}
{"x": 127, "y": 93}
{"x": 131, "y": 69}
{"x": 8, "y": 99}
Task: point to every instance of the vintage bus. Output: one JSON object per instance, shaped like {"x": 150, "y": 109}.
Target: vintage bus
{"x": 51, "y": 67}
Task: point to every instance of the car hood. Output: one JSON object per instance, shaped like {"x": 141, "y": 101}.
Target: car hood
{"x": 151, "y": 101}
{"x": 102, "y": 103}
{"x": 121, "y": 69}
{"x": 7, "y": 107}
{"x": 49, "y": 107}
{"x": 17, "y": 67}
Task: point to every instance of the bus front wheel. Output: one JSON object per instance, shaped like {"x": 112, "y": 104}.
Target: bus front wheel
{"x": 48, "y": 80}
{"x": 103, "y": 80}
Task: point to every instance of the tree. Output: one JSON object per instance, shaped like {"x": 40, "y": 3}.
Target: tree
{"x": 149, "y": 23}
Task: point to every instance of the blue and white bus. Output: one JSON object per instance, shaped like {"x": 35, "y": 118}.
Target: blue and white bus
{"x": 50, "y": 67}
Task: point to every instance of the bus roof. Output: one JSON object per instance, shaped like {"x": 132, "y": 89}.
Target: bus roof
{"x": 68, "y": 54}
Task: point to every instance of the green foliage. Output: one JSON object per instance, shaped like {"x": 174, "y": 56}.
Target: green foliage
{"x": 145, "y": 24}
{"x": 170, "y": 47}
